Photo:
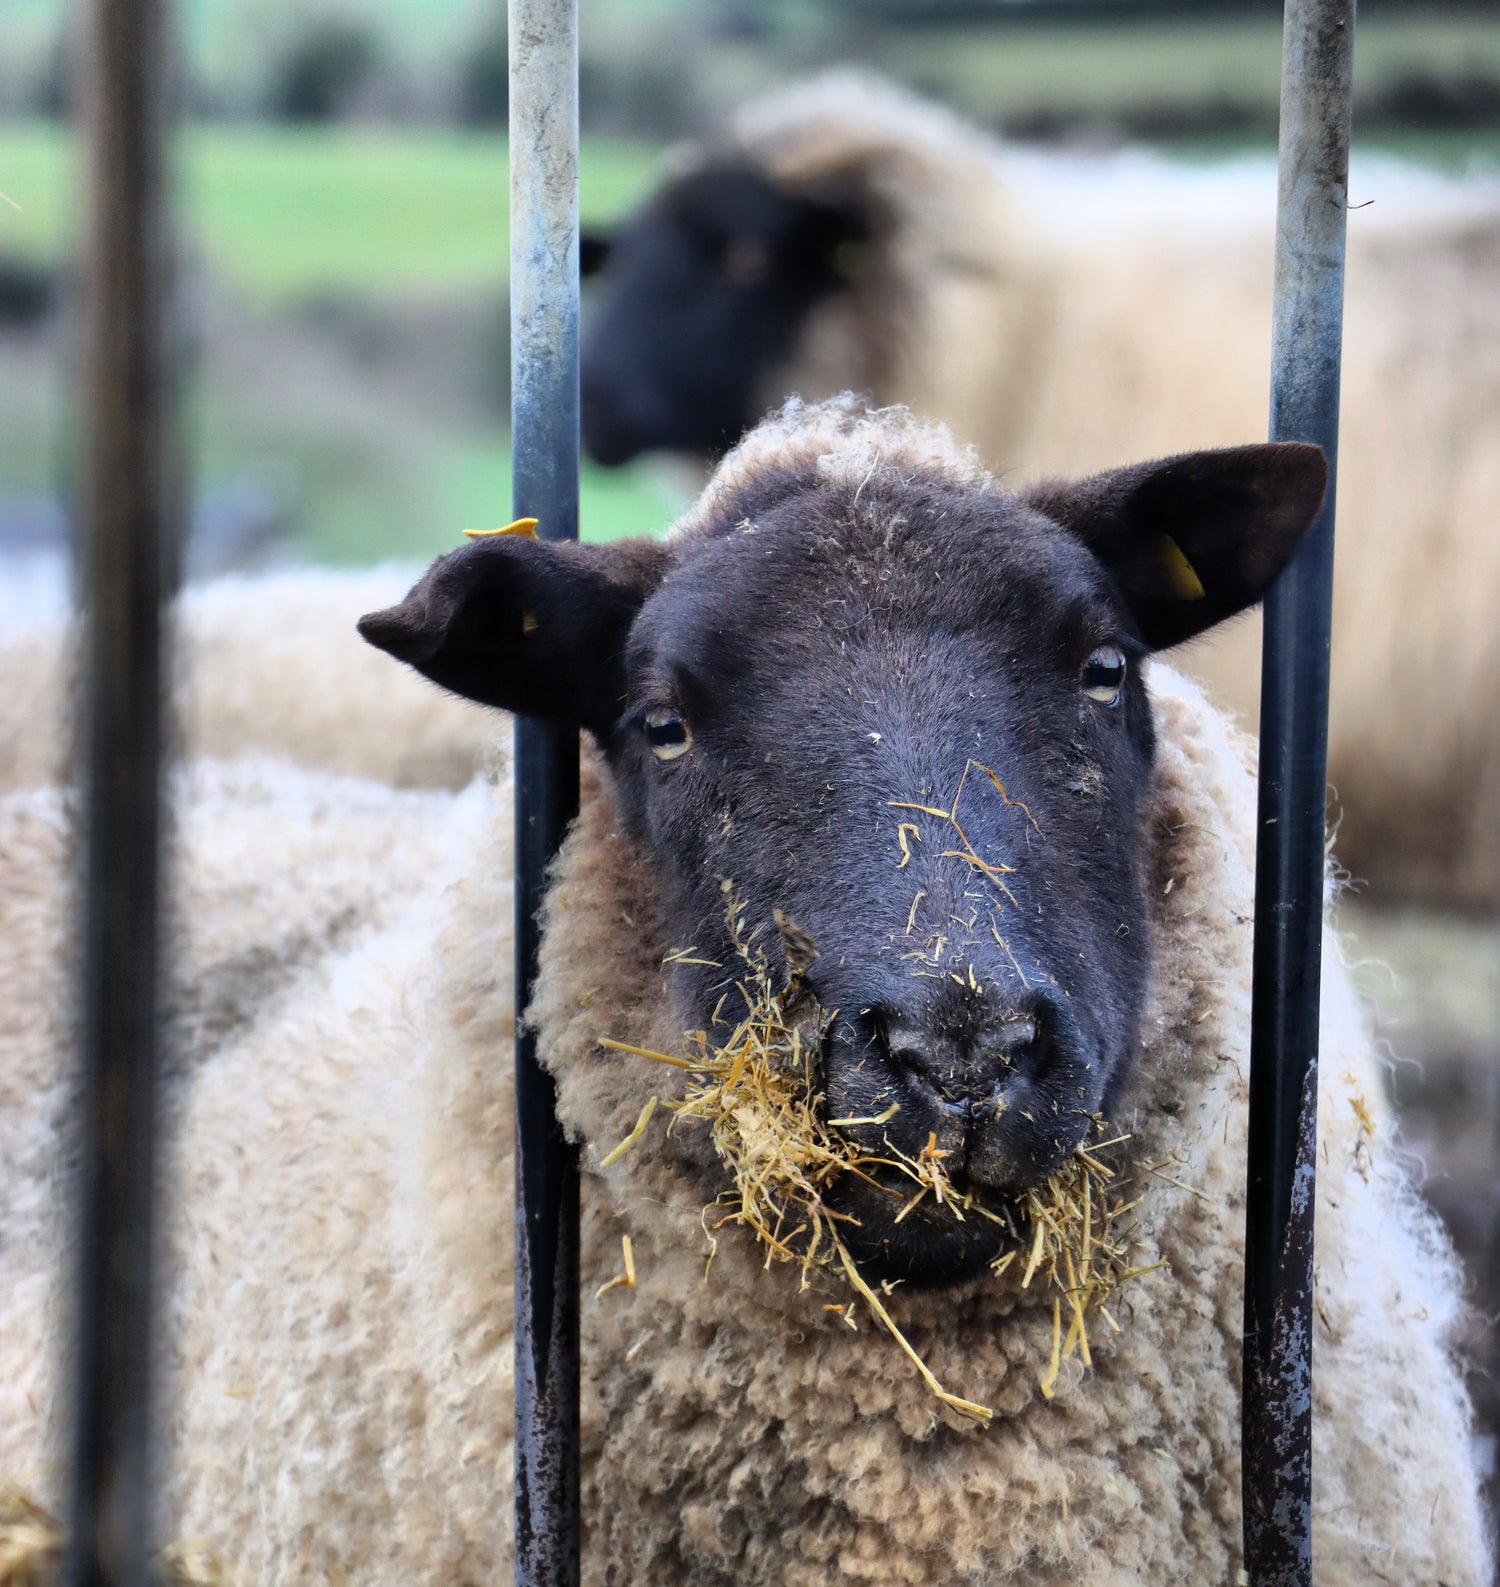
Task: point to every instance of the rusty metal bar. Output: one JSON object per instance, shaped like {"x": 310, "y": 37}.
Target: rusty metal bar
{"x": 1312, "y": 201}
{"x": 128, "y": 520}
{"x": 544, "y": 413}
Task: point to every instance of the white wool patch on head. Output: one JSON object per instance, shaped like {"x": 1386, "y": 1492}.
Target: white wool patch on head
{"x": 845, "y": 442}
{"x": 821, "y": 126}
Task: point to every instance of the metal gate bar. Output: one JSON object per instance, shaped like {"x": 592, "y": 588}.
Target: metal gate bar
{"x": 544, "y": 416}
{"x": 127, "y": 519}
{"x": 1312, "y": 200}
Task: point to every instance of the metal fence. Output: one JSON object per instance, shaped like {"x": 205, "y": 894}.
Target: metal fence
{"x": 129, "y": 516}
{"x": 544, "y": 408}
{"x": 1312, "y": 202}
{"x": 128, "y": 519}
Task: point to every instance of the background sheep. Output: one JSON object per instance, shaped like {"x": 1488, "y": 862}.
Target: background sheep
{"x": 267, "y": 663}
{"x": 340, "y": 1365}
{"x": 844, "y": 235}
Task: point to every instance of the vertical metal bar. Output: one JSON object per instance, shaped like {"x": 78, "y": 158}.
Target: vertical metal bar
{"x": 544, "y": 412}
{"x": 1487, "y": 1298}
{"x": 127, "y": 518}
{"x": 1312, "y": 201}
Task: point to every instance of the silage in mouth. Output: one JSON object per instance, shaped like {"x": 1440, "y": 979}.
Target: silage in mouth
{"x": 759, "y": 1093}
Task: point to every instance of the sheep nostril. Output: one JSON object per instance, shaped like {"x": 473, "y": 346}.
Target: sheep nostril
{"x": 910, "y": 1060}
{"x": 1013, "y": 1039}
{"x": 1011, "y": 1055}
{"x": 970, "y": 1076}
{"x": 1002, "y": 1054}
{"x": 1012, "y": 1051}
{"x": 923, "y": 1067}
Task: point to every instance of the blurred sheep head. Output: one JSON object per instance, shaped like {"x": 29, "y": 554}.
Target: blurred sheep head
{"x": 702, "y": 298}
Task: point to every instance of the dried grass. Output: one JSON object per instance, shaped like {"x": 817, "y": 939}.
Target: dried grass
{"x": 759, "y": 1093}
{"x": 32, "y": 1547}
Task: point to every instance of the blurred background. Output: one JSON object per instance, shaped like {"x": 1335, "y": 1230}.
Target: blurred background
{"x": 341, "y": 176}
{"x": 342, "y": 197}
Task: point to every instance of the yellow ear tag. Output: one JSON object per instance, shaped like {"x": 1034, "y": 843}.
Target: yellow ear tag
{"x": 522, "y": 526}
{"x": 1181, "y": 574}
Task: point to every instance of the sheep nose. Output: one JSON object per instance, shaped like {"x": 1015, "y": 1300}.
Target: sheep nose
{"x": 968, "y": 1073}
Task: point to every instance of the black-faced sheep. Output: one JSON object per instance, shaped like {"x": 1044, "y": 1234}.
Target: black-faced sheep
{"x": 852, "y": 616}
{"x": 842, "y": 235}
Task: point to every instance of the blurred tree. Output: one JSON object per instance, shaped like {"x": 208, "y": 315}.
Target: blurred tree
{"x": 323, "y": 72}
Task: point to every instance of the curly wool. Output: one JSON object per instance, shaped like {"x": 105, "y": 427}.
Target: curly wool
{"x": 295, "y": 1385}
{"x": 338, "y": 1395}
{"x": 1059, "y": 348}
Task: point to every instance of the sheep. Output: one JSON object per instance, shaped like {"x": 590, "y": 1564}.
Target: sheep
{"x": 755, "y": 689}
{"x": 841, "y": 234}
{"x": 266, "y": 664}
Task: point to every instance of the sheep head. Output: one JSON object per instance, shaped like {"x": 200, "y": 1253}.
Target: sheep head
{"x": 704, "y": 294}
{"x": 908, "y": 711}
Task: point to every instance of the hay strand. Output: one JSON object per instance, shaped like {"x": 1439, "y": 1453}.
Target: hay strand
{"x": 625, "y": 1280}
{"x": 975, "y": 1412}
{"x": 640, "y": 1129}
{"x": 759, "y": 1092}
{"x": 993, "y": 872}
{"x": 31, "y": 1542}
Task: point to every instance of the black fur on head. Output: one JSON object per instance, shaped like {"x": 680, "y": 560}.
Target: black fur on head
{"x": 782, "y": 690}
{"x": 702, "y": 295}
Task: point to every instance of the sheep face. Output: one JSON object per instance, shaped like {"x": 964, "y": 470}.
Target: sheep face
{"x": 915, "y": 723}
{"x": 909, "y": 715}
{"x": 704, "y": 296}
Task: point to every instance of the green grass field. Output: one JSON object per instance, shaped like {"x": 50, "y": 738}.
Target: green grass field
{"x": 287, "y": 213}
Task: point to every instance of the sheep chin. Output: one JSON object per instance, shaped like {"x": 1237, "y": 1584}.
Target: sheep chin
{"x": 929, "y": 1249}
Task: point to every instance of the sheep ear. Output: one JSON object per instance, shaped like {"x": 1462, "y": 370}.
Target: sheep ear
{"x": 1194, "y": 539}
{"x": 533, "y": 627}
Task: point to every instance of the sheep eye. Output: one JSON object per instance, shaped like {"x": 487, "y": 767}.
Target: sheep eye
{"x": 667, "y": 734}
{"x": 1103, "y": 674}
